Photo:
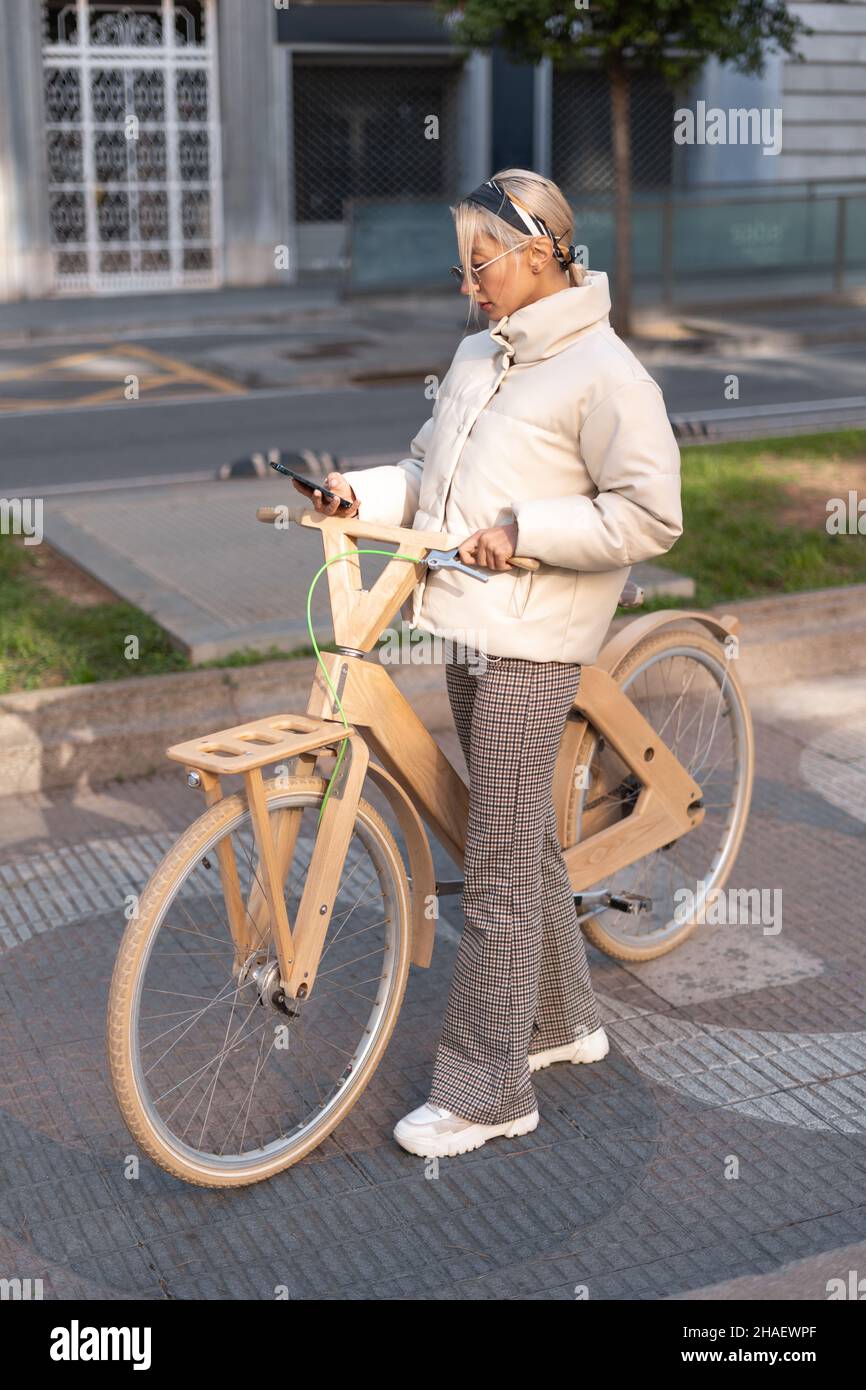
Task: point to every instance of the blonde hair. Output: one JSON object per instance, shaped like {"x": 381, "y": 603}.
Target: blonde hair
{"x": 536, "y": 195}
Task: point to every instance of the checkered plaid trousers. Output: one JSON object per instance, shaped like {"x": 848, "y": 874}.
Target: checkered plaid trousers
{"x": 521, "y": 978}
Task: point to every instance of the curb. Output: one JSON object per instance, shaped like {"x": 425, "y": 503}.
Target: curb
{"x": 80, "y": 735}
{"x": 769, "y": 421}
{"x": 85, "y": 734}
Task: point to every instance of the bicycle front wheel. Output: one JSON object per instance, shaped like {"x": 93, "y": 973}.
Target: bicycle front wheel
{"x": 221, "y": 1079}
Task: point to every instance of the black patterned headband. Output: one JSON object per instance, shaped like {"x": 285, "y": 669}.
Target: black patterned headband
{"x": 492, "y": 196}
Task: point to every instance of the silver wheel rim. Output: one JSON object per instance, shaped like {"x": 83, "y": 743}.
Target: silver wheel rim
{"x": 303, "y": 1134}
{"x": 634, "y": 931}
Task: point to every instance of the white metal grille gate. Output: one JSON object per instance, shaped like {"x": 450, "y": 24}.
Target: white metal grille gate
{"x": 132, "y": 131}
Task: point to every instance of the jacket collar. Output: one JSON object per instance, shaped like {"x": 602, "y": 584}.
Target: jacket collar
{"x": 548, "y": 325}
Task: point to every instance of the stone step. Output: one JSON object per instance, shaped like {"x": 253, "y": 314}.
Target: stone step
{"x": 820, "y": 632}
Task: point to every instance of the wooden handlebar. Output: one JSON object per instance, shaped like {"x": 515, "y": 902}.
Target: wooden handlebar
{"x": 375, "y": 531}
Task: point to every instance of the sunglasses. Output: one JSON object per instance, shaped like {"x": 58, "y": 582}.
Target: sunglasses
{"x": 458, "y": 272}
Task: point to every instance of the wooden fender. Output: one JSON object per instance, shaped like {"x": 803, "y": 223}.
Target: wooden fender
{"x": 421, "y": 869}
{"x": 609, "y": 659}
{"x": 612, "y": 653}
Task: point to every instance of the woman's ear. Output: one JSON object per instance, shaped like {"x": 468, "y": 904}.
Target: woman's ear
{"x": 540, "y": 252}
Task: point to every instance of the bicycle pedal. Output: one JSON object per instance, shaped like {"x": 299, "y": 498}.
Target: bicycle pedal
{"x": 632, "y": 903}
{"x": 448, "y": 885}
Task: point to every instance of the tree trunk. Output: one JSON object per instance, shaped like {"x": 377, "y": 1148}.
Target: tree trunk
{"x": 619, "y": 111}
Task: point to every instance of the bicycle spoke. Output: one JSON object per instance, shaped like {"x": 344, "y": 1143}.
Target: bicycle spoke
{"x": 688, "y": 702}
{"x": 234, "y": 1069}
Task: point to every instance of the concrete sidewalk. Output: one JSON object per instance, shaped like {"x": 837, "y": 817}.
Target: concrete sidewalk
{"x": 738, "y": 1045}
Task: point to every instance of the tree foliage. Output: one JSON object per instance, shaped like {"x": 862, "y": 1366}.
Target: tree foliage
{"x": 673, "y": 38}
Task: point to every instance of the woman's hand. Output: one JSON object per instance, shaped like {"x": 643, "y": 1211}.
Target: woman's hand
{"x": 491, "y": 548}
{"x": 337, "y": 483}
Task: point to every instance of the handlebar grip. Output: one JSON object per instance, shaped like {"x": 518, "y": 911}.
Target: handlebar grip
{"x": 270, "y": 514}
{"x": 523, "y": 562}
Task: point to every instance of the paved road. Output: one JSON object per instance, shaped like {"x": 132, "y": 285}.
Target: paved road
{"x": 161, "y": 440}
{"x": 739, "y": 1046}
{"x": 219, "y": 379}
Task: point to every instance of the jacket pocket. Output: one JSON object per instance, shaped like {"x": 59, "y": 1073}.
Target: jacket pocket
{"x": 520, "y": 592}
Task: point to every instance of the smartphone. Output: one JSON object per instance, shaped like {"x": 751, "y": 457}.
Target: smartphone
{"x": 312, "y": 486}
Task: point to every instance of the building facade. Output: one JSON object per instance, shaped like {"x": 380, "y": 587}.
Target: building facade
{"x": 188, "y": 144}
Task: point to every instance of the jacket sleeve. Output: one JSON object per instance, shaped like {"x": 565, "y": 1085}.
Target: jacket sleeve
{"x": 629, "y": 449}
{"x": 389, "y": 493}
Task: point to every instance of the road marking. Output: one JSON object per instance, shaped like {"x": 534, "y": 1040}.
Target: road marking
{"x": 185, "y": 371}
{"x": 126, "y": 361}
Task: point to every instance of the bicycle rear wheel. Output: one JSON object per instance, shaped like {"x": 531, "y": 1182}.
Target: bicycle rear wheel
{"x": 686, "y": 687}
{"x": 222, "y": 1080}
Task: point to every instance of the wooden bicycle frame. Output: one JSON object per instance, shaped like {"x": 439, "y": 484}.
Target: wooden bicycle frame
{"x": 414, "y": 774}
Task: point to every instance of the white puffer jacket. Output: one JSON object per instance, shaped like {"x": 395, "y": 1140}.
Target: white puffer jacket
{"x": 547, "y": 418}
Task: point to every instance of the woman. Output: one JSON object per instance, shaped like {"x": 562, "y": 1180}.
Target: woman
{"x": 547, "y": 439}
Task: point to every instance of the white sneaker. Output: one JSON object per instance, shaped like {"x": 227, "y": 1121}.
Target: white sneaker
{"x": 589, "y": 1049}
{"x": 432, "y": 1132}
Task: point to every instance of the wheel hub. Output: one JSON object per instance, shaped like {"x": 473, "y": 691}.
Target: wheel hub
{"x": 264, "y": 977}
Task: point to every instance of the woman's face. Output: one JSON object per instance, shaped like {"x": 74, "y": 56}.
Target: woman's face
{"x": 509, "y": 283}
{"x": 503, "y": 286}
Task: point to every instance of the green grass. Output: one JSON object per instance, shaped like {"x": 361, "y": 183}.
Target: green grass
{"x": 46, "y": 640}
{"x": 734, "y": 545}
{"x": 249, "y": 656}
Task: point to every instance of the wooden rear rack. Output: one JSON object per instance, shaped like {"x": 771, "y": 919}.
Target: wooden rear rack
{"x": 260, "y": 741}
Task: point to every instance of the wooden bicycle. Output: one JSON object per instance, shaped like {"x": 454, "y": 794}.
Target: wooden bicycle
{"x": 255, "y": 992}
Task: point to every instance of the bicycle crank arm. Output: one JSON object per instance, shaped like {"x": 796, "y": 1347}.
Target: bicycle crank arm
{"x": 620, "y": 902}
